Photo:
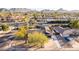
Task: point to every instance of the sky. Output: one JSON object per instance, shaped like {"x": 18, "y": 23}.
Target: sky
{"x": 41, "y": 4}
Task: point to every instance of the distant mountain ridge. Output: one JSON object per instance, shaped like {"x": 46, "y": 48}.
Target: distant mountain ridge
{"x": 29, "y": 10}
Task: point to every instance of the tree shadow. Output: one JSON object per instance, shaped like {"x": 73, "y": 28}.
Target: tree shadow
{"x": 6, "y": 43}
{"x": 20, "y": 47}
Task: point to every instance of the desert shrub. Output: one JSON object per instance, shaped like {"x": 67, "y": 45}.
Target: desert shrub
{"x": 37, "y": 39}
{"x": 5, "y": 27}
{"x": 21, "y": 33}
{"x": 74, "y": 24}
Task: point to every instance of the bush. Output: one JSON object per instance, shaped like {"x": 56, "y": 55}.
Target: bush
{"x": 74, "y": 24}
{"x": 5, "y": 27}
{"x": 21, "y": 33}
{"x": 37, "y": 39}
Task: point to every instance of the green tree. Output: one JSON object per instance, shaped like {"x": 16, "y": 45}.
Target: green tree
{"x": 35, "y": 16}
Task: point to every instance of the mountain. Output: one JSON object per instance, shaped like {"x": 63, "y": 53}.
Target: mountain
{"x": 20, "y": 10}
{"x": 47, "y": 11}
{"x": 4, "y": 10}
{"x": 62, "y": 10}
